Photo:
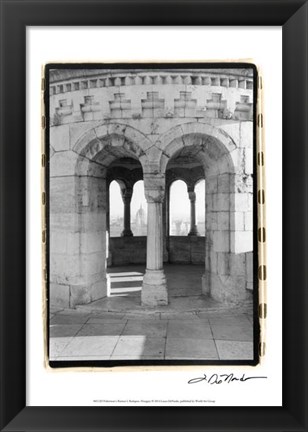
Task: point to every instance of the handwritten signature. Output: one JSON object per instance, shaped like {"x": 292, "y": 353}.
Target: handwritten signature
{"x": 223, "y": 378}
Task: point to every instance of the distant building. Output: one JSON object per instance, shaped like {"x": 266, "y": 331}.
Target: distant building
{"x": 140, "y": 227}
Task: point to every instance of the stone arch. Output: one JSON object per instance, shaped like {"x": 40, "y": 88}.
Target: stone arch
{"x": 178, "y": 183}
{"x": 224, "y": 277}
{"x": 176, "y": 178}
{"x": 198, "y": 180}
{"x": 128, "y": 176}
{"x": 120, "y": 137}
{"x": 93, "y": 152}
{"x": 189, "y": 134}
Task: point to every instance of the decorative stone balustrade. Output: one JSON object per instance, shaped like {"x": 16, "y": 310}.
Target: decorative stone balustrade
{"x": 137, "y": 95}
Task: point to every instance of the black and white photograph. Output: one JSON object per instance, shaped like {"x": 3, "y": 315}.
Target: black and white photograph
{"x": 151, "y": 214}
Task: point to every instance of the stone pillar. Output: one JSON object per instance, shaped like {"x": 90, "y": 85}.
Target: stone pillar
{"x": 167, "y": 199}
{"x": 127, "y": 197}
{"x": 154, "y": 288}
{"x": 109, "y": 254}
{"x": 193, "y": 227}
{"x": 77, "y": 230}
{"x": 166, "y": 228}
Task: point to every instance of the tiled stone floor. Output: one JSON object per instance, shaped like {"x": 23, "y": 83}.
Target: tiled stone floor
{"x": 191, "y": 327}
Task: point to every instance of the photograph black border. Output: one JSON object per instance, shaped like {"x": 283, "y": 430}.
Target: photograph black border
{"x": 255, "y": 295}
{"x": 292, "y": 15}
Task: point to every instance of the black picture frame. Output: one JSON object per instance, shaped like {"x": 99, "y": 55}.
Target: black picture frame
{"x": 292, "y": 15}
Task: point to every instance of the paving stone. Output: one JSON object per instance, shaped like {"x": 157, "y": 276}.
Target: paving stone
{"x": 99, "y": 320}
{"x": 144, "y": 316}
{"x": 138, "y": 346}
{"x": 90, "y": 346}
{"x": 69, "y": 319}
{"x": 153, "y": 328}
{"x": 179, "y": 316}
{"x": 74, "y": 312}
{"x": 55, "y": 310}
{"x": 237, "y": 320}
{"x": 184, "y": 329}
{"x": 203, "y": 315}
{"x": 189, "y": 348}
{"x": 232, "y": 332}
{"x": 57, "y": 345}
{"x": 136, "y": 357}
{"x": 234, "y": 350}
{"x": 107, "y": 315}
{"x": 103, "y": 329}
{"x": 82, "y": 358}
{"x": 57, "y": 330}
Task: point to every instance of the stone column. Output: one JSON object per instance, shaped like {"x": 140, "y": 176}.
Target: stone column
{"x": 127, "y": 197}
{"x": 108, "y": 248}
{"x": 167, "y": 200}
{"x": 154, "y": 288}
{"x": 193, "y": 227}
{"x": 166, "y": 228}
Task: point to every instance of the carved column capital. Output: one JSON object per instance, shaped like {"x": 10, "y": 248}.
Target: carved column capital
{"x": 154, "y": 188}
{"x": 126, "y": 194}
{"x": 154, "y": 195}
{"x": 192, "y": 196}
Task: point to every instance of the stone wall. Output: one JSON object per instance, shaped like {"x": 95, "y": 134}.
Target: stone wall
{"x": 99, "y": 119}
{"x": 131, "y": 94}
{"x": 127, "y": 250}
{"x": 132, "y": 250}
{"x": 186, "y": 250}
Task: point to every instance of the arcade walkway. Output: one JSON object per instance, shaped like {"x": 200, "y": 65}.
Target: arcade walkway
{"x": 191, "y": 327}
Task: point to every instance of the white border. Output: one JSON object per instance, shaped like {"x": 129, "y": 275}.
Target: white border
{"x": 55, "y": 44}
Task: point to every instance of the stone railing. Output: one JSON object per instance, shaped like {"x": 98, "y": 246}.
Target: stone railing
{"x": 137, "y": 95}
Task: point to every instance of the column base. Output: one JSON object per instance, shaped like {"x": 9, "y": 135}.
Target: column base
{"x": 154, "y": 289}
{"x": 193, "y": 232}
{"x": 127, "y": 233}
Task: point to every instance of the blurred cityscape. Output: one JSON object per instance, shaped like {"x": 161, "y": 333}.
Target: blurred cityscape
{"x": 138, "y": 224}
{"x": 179, "y": 214}
{"x": 178, "y": 226}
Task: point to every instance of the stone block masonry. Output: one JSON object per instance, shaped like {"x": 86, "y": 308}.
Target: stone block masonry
{"x": 159, "y": 126}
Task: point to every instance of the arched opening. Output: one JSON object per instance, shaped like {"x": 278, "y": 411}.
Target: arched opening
{"x": 128, "y": 245}
{"x": 127, "y": 250}
{"x": 139, "y": 210}
{"x": 179, "y": 209}
{"x": 228, "y": 245}
{"x": 107, "y": 166}
{"x": 116, "y": 210}
{"x": 185, "y": 244}
{"x": 200, "y": 206}
{"x": 188, "y": 157}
